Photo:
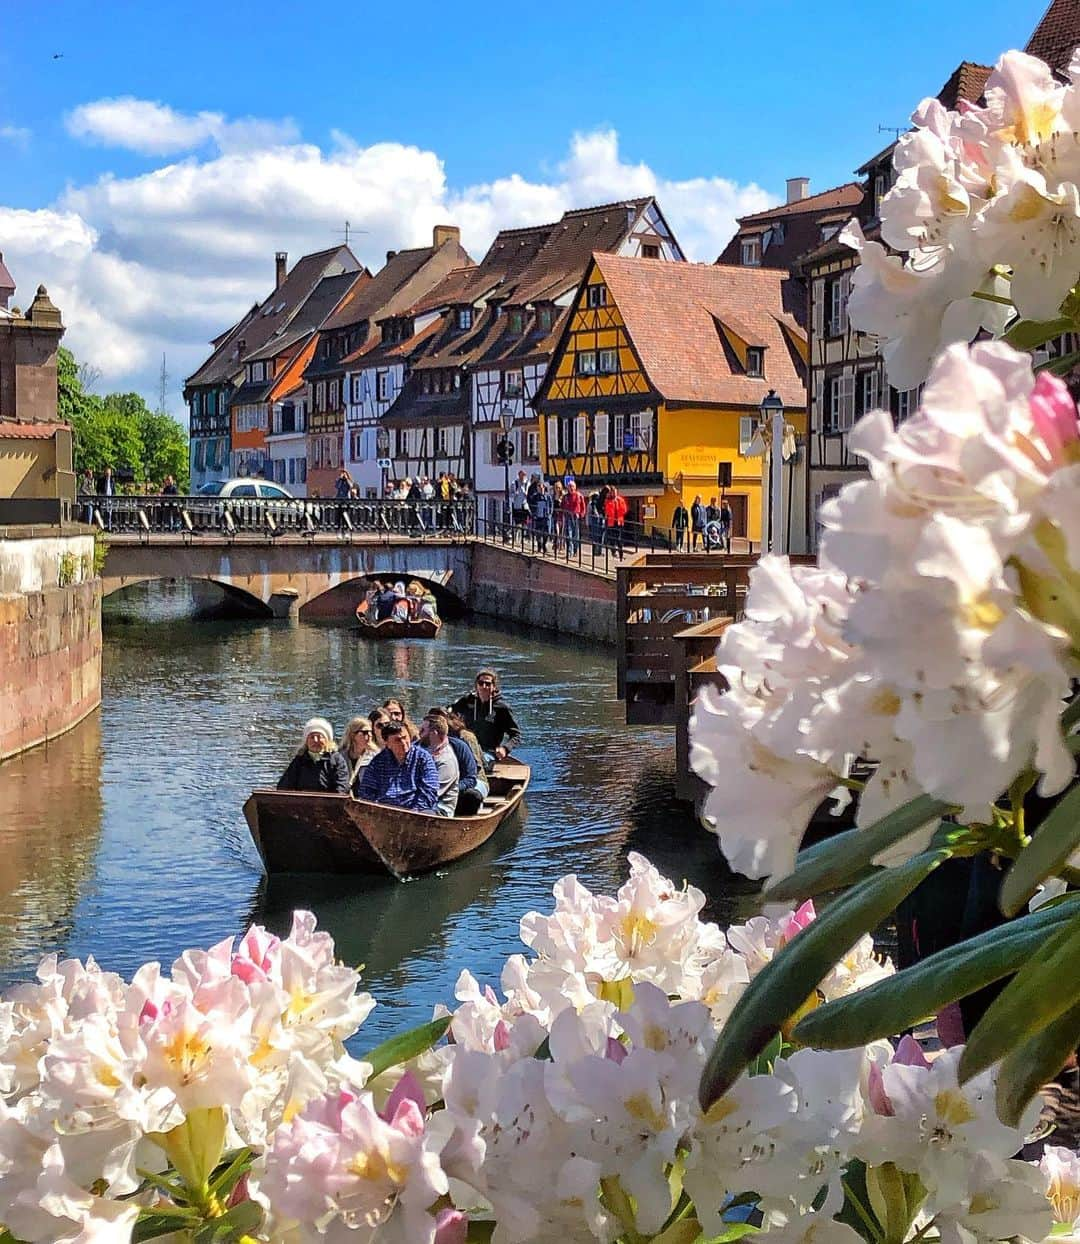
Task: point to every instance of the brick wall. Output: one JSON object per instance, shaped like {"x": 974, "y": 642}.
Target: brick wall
{"x": 558, "y": 597}
{"x": 50, "y": 662}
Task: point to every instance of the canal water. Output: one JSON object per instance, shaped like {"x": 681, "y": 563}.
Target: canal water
{"x": 125, "y": 839}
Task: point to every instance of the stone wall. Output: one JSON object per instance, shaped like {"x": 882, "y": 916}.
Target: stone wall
{"x": 561, "y": 598}
{"x": 50, "y": 636}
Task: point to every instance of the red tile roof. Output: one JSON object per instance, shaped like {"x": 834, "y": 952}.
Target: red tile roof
{"x": 847, "y": 195}
{"x": 802, "y": 221}
{"x": 1056, "y": 35}
{"x": 967, "y": 82}
{"x": 673, "y": 313}
{"x": 29, "y": 431}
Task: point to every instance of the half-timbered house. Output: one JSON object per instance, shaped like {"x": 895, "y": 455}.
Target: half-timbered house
{"x": 406, "y": 276}
{"x": 209, "y": 390}
{"x": 657, "y": 380}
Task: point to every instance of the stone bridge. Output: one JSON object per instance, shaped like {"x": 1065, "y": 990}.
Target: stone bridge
{"x": 318, "y": 575}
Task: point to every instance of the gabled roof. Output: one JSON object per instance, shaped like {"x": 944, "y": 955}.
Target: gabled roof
{"x": 966, "y": 82}
{"x": 274, "y": 313}
{"x": 562, "y": 260}
{"x": 510, "y": 254}
{"x": 801, "y": 221}
{"x": 325, "y": 298}
{"x": 1056, "y": 35}
{"x": 675, "y": 315}
{"x": 404, "y": 277}
{"x": 7, "y": 281}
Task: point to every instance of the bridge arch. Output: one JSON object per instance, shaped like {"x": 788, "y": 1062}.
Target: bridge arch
{"x": 249, "y": 601}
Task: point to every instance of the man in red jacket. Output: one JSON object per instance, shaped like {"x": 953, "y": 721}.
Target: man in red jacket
{"x": 615, "y": 519}
{"x": 573, "y": 508}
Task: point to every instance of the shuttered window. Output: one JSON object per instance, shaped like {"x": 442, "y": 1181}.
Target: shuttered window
{"x": 553, "y": 435}
{"x": 817, "y": 308}
{"x": 617, "y": 422}
{"x": 581, "y": 425}
{"x": 747, "y": 424}
{"x": 600, "y": 433}
{"x": 847, "y": 400}
{"x": 817, "y": 413}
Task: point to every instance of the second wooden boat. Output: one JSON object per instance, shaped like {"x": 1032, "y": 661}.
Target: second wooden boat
{"x": 306, "y": 832}
{"x": 391, "y": 628}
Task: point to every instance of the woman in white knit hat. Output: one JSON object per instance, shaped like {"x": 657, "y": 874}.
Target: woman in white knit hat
{"x": 318, "y": 765}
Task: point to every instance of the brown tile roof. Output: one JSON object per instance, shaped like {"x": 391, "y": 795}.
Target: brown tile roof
{"x": 1056, "y": 35}
{"x": 393, "y": 287}
{"x": 672, "y": 312}
{"x": 275, "y": 313}
{"x": 511, "y": 253}
{"x": 373, "y": 353}
{"x": 29, "y": 431}
{"x": 561, "y": 262}
{"x": 966, "y": 82}
{"x": 801, "y": 221}
{"x": 325, "y": 298}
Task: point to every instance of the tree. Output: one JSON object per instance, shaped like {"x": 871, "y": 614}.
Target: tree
{"x": 119, "y": 430}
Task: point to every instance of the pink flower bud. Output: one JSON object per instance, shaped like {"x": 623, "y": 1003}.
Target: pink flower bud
{"x": 451, "y": 1227}
{"x": 616, "y": 1051}
{"x": 1054, "y": 414}
{"x": 407, "y": 1089}
{"x": 502, "y": 1035}
{"x": 909, "y": 1053}
{"x": 879, "y": 1099}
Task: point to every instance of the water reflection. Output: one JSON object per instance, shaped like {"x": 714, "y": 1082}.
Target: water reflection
{"x": 196, "y": 713}
{"x": 55, "y": 792}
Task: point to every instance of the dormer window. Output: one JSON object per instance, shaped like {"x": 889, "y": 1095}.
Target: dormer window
{"x": 750, "y": 252}
{"x": 597, "y": 295}
{"x": 517, "y": 321}
{"x": 755, "y": 361}
{"x": 464, "y": 317}
{"x": 546, "y": 319}
{"x": 650, "y": 250}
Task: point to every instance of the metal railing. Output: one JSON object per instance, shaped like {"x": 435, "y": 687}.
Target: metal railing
{"x": 577, "y": 543}
{"x": 311, "y": 516}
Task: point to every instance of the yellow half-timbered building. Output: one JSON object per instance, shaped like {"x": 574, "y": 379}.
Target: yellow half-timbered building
{"x": 658, "y": 379}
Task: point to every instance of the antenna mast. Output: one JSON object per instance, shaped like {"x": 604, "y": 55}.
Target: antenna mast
{"x": 163, "y": 388}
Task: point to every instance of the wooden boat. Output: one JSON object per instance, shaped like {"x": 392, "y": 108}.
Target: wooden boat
{"x": 391, "y": 628}
{"x": 306, "y": 832}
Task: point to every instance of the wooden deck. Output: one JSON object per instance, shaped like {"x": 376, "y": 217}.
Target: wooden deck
{"x": 672, "y": 610}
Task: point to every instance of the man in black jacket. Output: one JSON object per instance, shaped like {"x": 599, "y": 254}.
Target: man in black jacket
{"x": 489, "y": 717}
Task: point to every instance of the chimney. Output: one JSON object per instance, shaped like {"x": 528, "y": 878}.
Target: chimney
{"x": 798, "y": 188}
{"x": 390, "y": 255}
{"x": 281, "y": 260}
{"x": 442, "y": 234}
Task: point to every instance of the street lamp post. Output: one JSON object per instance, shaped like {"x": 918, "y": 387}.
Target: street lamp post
{"x": 772, "y": 420}
{"x": 506, "y": 422}
{"x": 382, "y": 449}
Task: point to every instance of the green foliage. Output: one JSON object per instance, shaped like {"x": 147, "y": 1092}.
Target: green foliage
{"x": 101, "y": 551}
{"x": 408, "y": 1045}
{"x": 68, "y": 570}
{"x": 119, "y": 430}
{"x": 1050, "y": 848}
{"x": 780, "y": 991}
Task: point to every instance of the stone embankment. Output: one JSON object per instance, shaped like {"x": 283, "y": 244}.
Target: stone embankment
{"x": 50, "y": 634}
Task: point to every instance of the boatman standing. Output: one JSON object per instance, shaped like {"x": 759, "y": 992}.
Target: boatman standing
{"x": 490, "y": 718}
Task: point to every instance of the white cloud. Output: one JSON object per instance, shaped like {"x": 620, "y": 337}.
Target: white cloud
{"x": 163, "y": 261}
{"x": 17, "y": 134}
{"x": 154, "y": 129}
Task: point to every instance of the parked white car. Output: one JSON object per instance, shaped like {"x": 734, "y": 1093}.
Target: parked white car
{"x": 237, "y": 488}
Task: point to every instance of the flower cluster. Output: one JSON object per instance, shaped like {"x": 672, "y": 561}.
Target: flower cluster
{"x": 985, "y": 215}
{"x": 566, "y": 1109}
{"x": 936, "y": 637}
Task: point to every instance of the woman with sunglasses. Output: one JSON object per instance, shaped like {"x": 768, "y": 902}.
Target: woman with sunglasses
{"x": 358, "y": 747}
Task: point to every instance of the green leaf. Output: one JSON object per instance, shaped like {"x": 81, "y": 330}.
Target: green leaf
{"x": 830, "y": 864}
{"x": 1054, "y": 841}
{"x": 898, "y": 1002}
{"x": 1048, "y": 986}
{"x": 1029, "y": 334}
{"x": 737, "y": 1231}
{"x": 408, "y": 1045}
{"x": 1061, "y": 366}
{"x": 1026, "y": 1069}
{"x": 230, "y": 1172}
{"x": 242, "y": 1219}
{"x": 480, "y": 1232}
{"x": 149, "y": 1225}
{"x": 686, "y": 1231}
{"x": 778, "y": 991}
{"x": 762, "y": 1065}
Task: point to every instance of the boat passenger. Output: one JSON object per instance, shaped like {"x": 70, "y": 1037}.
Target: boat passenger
{"x": 429, "y": 606}
{"x": 414, "y": 597}
{"x": 472, "y": 784}
{"x": 402, "y": 775}
{"x": 401, "y": 603}
{"x": 318, "y": 765}
{"x": 378, "y": 718}
{"x": 490, "y": 718}
{"x": 358, "y": 747}
{"x": 395, "y": 710}
{"x": 384, "y": 602}
{"x": 434, "y": 737}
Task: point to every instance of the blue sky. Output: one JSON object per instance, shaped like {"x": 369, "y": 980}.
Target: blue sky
{"x": 395, "y": 115}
